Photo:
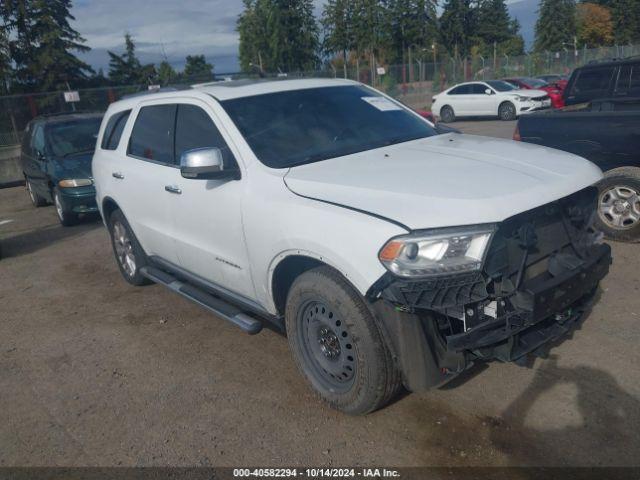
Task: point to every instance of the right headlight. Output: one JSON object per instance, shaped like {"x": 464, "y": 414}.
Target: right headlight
{"x": 437, "y": 252}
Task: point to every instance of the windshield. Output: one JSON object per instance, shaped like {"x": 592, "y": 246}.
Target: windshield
{"x": 501, "y": 86}
{"x": 73, "y": 136}
{"x": 296, "y": 127}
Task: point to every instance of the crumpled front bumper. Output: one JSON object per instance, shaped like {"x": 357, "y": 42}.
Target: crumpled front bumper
{"x": 550, "y": 309}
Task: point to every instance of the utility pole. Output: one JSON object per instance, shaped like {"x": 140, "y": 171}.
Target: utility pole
{"x": 495, "y": 57}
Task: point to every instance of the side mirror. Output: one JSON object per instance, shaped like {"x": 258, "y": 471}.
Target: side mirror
{"x": 488, "y": 91}
{"x": 204, "y": 163}
{"x": 40, "y": 156}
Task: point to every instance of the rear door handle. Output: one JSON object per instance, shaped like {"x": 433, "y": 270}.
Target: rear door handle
{"x": 173, "y": 189}
{"x": 117, "y": 175}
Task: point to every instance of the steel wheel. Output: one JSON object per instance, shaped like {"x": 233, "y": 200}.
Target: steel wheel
{"x": 124, "y": 249}
{"x": 619, "y": 207}
{"x": 327, "y": 346}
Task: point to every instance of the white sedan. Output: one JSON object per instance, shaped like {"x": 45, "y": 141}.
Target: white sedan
{"x": 491, "y": 98}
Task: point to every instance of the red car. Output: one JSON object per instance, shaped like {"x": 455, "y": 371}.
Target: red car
{"x": 555, "y": 80}
{"x": 555, "y": 94}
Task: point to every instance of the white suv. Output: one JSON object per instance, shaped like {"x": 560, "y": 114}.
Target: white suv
{"x": 389, "y": 254}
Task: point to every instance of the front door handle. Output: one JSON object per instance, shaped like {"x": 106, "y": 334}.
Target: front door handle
{"x": 173, "y": 189}
{"x": 117, "y": 175}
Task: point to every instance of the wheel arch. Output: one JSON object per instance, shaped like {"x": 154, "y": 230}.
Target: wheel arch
{"x": 109, "y": 205}
{"x": 288, "y": 266}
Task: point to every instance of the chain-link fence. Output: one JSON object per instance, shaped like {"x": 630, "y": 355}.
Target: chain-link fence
{"x": 414, "y": 84}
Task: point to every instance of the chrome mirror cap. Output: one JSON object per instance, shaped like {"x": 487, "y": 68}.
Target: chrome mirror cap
{"x": 202, "y": 163}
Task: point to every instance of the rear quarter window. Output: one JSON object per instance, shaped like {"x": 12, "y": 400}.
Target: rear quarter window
{"x": 113, "y": 130}
{"x": 592, "y": 83}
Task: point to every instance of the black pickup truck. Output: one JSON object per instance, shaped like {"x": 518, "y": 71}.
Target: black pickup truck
{"x": 607, "y": 132}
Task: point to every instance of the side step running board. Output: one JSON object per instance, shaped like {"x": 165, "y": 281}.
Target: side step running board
{"x": 214, "y": 304}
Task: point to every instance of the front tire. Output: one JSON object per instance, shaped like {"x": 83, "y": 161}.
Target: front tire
{"x": 619, "y": 204}
{"x": 337, "y": 344}
{"x": 67, "y": 217}
{"x": 507, "y": 112}
{"x": 129, "y": 254}
{"x": 447, "y": 115}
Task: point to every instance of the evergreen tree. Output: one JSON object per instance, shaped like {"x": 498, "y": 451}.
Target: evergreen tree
{"x": 197, "y": 66}
{"x": 458, "y": 27}
{"x": 409, "y": 23}
{"x": 53, "y": 64}
{"x": 126, "y": 69}
{"x": 337, "y": 18}
{"x": 368, "y": 25}
{"x": 6, "y": 69}
{"x": 556, "y": 25}
{"x": 17, "y": 17}
{"x": 494, "y": 23}
{"x": 166, "y": 73}
{"x": 278, "y": 34}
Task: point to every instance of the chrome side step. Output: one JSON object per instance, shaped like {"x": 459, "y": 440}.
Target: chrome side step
{"x": 214, "y": 304}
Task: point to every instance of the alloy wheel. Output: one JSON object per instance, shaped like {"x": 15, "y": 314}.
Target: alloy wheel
{"x": 124, "y": 249}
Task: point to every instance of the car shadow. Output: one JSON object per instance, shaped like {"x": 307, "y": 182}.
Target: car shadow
{"x": 34, "y": 240}
{"x": 606, "y": 433}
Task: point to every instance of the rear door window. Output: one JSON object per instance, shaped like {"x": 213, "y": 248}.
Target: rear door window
{"x": 629, "y": 81}
{"x": 592, "y": 83}
{"x": 153, "y": 134}
{"x": 113, "y": 130}
{"x": 195, "y": 129}
{"x": 478, "y": 89}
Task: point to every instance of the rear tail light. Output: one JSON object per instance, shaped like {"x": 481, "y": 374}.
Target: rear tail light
{"x": 516, "y": 134}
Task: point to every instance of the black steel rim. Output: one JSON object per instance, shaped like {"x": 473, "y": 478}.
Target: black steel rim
{"x": 327, "y": 346}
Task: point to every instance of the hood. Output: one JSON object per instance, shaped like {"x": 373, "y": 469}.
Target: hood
{"x": 73, "y": 166}
{"x": 445, "y": 180}
{"x": 527, "y": 93}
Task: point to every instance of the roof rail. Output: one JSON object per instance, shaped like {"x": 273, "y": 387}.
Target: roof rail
{"x": 155, "y": 90}
{"x": 60, "y": 114}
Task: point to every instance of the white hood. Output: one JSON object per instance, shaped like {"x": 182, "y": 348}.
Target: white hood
{"x": 446, "y": 180}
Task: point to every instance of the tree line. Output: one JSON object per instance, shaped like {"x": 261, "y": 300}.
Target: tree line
{"x": 39, "y": 47}
{"x": 284, "y": 35}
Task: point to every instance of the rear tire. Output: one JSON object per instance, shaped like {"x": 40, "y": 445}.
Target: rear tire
{"x": 447, "y": 115}
{"x": 337, "y": 344}
{"x": 67, "y": 218}
{"x": 507, "y": 112}
{"x": 129, "y": 254}
{"x": 619, "y": 204}
{"x": 35, "y": 197}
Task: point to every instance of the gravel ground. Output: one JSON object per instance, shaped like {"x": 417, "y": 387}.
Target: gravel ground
{"x": 96, "y": 372}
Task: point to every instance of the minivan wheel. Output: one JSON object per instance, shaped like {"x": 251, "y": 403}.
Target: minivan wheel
{"x": 447, "y": 115}
{"x": 507, "y": 111}
{"x": 619, "y": 204}
{"x": 129, "y": 254}
{"x": 67, "y": 218}
{"x": 36, "y": 199}
{"x": 337, "y": 344}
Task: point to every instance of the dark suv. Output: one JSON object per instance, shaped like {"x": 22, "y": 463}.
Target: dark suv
{"x": 56, "y": 162}
{"x": 612, "y": 79}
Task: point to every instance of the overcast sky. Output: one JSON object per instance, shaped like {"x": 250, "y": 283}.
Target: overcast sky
{"x": 174, "y": 28}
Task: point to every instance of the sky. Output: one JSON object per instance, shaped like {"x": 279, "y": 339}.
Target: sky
{"x": 174, "y": 29}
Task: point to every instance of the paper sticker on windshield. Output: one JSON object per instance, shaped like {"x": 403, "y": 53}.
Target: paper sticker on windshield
{"x": 381, "y": 103}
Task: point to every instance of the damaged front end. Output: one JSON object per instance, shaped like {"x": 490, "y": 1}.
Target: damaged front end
{"x": 541, "y": 268}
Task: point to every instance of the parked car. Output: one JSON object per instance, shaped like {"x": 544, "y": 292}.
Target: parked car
{"x": 610, "y": 79}
{"x": 390, "y": 255}
{"x": 554, "y": 79}
{"x": 491, "y": 98}
{"x": 527, "y": 83}
{"x": 56, "y": 162}
{"x": 607, "y": 132}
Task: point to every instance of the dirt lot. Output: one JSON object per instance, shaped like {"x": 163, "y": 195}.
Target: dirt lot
{"x": 96, "y": 372}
